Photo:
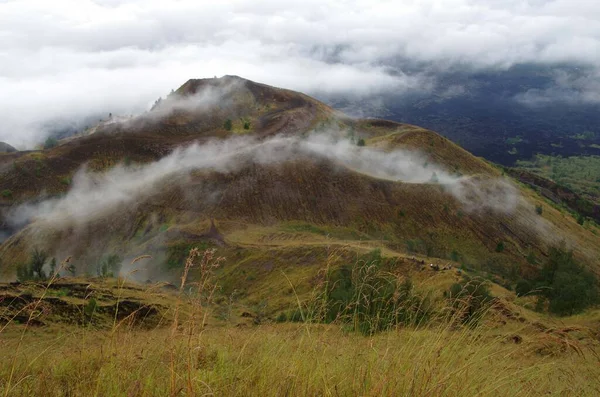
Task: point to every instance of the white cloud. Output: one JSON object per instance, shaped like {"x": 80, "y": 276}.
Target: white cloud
{"x": 68, "y": 58}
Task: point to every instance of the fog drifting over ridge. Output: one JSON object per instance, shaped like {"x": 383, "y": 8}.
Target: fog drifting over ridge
{"x": 66, "y": 59}
{"x": 94, "y": 195}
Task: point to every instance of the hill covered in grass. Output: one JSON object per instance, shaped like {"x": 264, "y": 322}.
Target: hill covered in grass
{"x": 262, "y": 174}
{"x": 241, "y": 239}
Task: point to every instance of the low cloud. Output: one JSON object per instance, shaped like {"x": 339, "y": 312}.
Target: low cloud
{"x": 94, "y": 195}
{"x": 66, "y": 59}
{"x": 574, "y": 86}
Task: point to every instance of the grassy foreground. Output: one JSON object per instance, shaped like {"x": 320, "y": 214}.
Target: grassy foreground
{"x": 177, "y": 347}
{"x": 292, "y": 359}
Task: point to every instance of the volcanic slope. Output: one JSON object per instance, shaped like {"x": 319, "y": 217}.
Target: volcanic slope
{"x": 270, "y": 178}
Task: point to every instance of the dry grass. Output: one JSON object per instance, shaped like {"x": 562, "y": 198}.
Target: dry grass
{"x": 293, "y": 359}
{"x": 190, "y": 358}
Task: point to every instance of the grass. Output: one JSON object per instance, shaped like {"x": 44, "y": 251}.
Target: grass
{"x": 295, "y": 359}
{"x": 192, "y": 353}
{"x": 579, "y": 173}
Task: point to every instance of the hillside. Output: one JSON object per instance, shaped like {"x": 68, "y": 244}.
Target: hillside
{"x": 280, "y": 179}
{"x": 241, "y": 239}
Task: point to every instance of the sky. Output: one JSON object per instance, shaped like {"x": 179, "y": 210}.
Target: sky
{"x": 63, "y": 60}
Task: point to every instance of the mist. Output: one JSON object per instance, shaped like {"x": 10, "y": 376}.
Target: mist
{"x": 76, "y": 59}
{"x": 94, "y": 195}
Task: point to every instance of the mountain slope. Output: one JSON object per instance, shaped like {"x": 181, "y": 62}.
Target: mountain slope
{"x": 282, "y": 176}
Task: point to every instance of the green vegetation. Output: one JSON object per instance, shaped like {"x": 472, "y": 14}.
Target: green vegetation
{"x": 568, "y": 287}
{"x": 367, "y": 299}
{"x": 511, "y": 141}
{"x": 246, "y": 125}
{"x": 50, "y": 143}
{"x": 500, "y": 246}
{"x": 65, "y": 180}
{"x": 584, "y": 136}
{"x": 228, "y": 124}
{"x": 34, "y": 269}
{"x": 361, "y": 142}
{"x": 539, "y": 209}
{"x": 109, "y": 266}
{"x": 6, "y": 193}
{"x": 579, "y": 173}
{"x": 563, "y": 284}
{"x": 470, "y": 299}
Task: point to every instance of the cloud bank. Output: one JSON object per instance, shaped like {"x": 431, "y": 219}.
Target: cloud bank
{"x": 94, "y": 195}
{"x": 66, "y": 59}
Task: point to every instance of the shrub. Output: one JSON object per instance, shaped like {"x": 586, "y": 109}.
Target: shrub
{"x": 281, "y": 318}
{"x": 523, "y": 287}
{"x": 50, "y": 143}
{"x": 539, "y": 209}
{"x": 34, "y": 269}
{"x": 454, "y": 256}
{"x": 369, "y": 299}
{"x": 109, "y": 266}
{"x": 361, "y": 142}
{"x": 228, "y": 125}
{"x": 6, "y": 193}
{"x": 89, "y": 309}
{"x": 567, "y": 286}
{"x": 469, "y": 299}
{"x": 246, "y": 125}
{"x": 500, "y": 246}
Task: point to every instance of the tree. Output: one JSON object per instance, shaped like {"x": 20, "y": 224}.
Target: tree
{"x": 34, "y": 269}
{"x": 568, "y": 287}
{"x": 500, "y": 246}
{"x": 50, "y": 143}
{"x": 52, "y": 267}
{"x": 109, "y": 266}
{"x": 37, "y": 262}
{"x": 523, "y": 287}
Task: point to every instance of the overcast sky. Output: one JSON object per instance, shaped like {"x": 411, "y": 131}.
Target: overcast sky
{"x": 63, "y": 59}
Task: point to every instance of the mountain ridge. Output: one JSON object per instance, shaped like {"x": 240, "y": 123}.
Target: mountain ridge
{"x": 316, "y": 186}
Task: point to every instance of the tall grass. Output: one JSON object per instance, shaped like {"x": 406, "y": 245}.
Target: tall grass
{"x": 397, "y": 351}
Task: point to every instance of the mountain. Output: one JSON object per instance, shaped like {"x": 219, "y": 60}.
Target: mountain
{"x": 6, "y": 148}
{"x": 501, "y": 115}
{"x": 275, "y": 181}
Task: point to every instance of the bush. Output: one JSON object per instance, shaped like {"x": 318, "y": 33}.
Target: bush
{"x": 7, "y": 193}
{"x": 539, "y": 209}
{"x": 361, "y": 142}
{"x": 89, "y": 309}
{"x": 523, "y": 287}
{"x": 246, "y": 125}
{"x": 567, "y": 286}
{"x": 469, "y": 299}
{"x": 34, "y": 269}
{"x": 281, "y": 318}
{"x": 228, "y": 125}
{"x": 50, "y": 143}
{"x": 500, "y": 246}
{"x": 109, "y": 266}
{"x": 369, "y": 299}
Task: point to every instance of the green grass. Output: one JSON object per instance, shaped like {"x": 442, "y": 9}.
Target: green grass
{"x": 579, "y": 173}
